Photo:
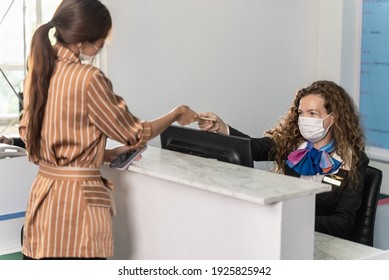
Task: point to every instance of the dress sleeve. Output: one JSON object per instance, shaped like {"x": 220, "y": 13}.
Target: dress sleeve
{"x": 340, "y": 220}
{"x": 260, "y": 147}
{"x": 110, "y": 114}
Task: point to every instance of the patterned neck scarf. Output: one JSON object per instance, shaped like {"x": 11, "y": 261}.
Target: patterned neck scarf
{"x": 310, "y": 161}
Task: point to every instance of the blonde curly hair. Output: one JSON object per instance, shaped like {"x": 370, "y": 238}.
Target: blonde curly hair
{"x": 346, "y": 128}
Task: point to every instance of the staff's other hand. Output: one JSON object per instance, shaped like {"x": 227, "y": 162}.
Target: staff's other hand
{"x": 209, "y": 121}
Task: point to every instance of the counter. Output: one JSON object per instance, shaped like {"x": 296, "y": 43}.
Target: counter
{"x": 17, "y": 175}
{"x": 328, "y": 247}
{"x": 177, "y": 206}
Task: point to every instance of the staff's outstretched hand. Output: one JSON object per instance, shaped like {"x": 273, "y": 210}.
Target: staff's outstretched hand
{"x": 211, "y": 122}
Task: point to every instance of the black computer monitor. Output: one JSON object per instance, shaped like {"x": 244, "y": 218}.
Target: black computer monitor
{"x": 232, "y": 149}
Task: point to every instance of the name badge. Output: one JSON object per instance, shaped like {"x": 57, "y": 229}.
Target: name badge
{"x": 336, "y": 179}
{"x": 332, "y": 181}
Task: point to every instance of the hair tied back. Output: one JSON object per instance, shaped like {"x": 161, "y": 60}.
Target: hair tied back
{"x": 50, "y": 24}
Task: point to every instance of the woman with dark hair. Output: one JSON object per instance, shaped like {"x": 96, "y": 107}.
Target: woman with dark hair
{"x": 70, "y": 110}
{"x": 319, "y": 139}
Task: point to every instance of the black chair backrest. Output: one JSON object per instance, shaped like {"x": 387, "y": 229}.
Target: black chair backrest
{"x": 363, "y": 230}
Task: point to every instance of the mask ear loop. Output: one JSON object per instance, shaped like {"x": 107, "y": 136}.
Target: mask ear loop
{"x": 332, "y": 118}
{"x": 90, "y": 58}
{"x": 84, "y": 43}
{"x": 332, "y": 121}
{"x": 79, "y": 45}
{"x": 96, "y": 48}
{"x": 330, "y": 114}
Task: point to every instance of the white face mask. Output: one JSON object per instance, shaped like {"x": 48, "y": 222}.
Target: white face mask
{"x": 87, "y": 59}
{"x": 312, "y": 129}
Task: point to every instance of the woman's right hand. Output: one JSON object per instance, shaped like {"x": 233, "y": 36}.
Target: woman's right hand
{"x": 186, "y": 115}
{"x": 211, "y": 122}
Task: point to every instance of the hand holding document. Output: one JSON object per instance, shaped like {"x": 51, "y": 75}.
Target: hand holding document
{"x": 5, "y": 140}
{"x": 209, "y": 121}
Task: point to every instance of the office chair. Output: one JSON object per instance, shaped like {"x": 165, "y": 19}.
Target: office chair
{"x": 363, "y": 230}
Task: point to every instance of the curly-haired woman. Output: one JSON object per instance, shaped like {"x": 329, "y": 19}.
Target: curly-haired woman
{"x": 320, "y": 139}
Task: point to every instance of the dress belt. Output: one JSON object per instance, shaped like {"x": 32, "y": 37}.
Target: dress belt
{"x": 69, "y": 173}
{"x": 77, "y": 174}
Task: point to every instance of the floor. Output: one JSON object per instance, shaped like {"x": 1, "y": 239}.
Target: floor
{"x": 14, "y": 256}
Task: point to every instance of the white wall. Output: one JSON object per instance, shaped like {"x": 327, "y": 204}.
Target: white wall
{"x": 242, "y": 59}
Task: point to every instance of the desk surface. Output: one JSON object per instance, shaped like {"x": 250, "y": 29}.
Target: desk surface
{"x": 241, "y": 182}
{"x": 332, "y": 248}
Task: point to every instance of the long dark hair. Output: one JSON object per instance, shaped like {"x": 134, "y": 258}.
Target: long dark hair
{"x": 75, "y": 21}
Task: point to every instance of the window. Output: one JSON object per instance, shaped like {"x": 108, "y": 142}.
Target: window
{"x": 18, "y": 21}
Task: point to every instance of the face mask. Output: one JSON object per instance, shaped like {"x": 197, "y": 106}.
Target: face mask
{"x": 312, "y": 129}
{"x": 87, "y": 59}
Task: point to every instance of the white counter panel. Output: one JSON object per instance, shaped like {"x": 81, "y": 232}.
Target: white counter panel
{"x": 17, "y": 175}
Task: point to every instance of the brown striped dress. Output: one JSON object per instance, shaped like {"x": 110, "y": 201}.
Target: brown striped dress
{"x": 68, "y": 213}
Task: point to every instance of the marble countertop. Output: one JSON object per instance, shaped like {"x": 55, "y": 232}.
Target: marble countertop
{"x": 328, "y": 247}
{"x": 245, "y": 183}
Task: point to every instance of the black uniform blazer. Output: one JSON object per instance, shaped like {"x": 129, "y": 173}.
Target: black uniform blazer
{"x": 19, "y": 142}
{"x": 336, "y": 209}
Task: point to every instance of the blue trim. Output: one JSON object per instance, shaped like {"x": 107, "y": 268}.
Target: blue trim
{"x": 12, "y": 216}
